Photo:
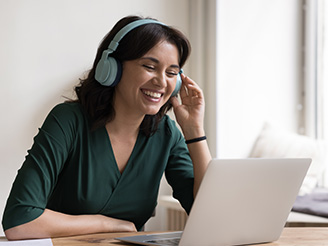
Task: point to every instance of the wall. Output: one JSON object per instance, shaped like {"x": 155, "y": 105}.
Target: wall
{"x": 45, "y": 47}
{"x": 258, "y": 70}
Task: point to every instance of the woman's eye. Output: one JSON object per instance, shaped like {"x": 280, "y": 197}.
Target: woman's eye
{"x": 172, "y": 73}
{"x": 148, "y": 67}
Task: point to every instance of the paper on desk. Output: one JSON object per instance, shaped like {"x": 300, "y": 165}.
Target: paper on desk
{"x": 37, "y": 242}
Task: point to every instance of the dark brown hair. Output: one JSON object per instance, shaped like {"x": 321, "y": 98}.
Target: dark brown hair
{"x": 97, "y": 99}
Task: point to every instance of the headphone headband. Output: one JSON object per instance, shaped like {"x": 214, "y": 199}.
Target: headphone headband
{"x": 125, "y": 30}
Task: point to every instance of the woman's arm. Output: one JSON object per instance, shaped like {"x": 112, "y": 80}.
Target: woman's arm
{"x": 190, "y": 116}
{"x": 200, "y": 156}
{"x": 55, "y": 224}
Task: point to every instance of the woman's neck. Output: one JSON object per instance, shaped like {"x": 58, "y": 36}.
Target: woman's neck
{"x": 126, "y": 121}
{"x": 124, "y": 125}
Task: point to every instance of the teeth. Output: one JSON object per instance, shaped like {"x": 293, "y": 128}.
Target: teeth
{"x": 152, "y": 94}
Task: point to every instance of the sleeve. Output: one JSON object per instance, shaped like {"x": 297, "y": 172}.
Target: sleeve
{"x": 179, "y": 171}
{"x": 38, "y": 175}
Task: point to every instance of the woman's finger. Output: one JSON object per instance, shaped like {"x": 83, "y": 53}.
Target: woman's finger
{"x": 183, "y": 91}
{"x": 191, "y": 88}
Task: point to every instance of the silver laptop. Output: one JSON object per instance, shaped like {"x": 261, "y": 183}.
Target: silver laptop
{"x": 240, "y": 201}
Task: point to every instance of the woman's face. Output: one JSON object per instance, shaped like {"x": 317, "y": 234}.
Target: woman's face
{"x": 148, "y": 82}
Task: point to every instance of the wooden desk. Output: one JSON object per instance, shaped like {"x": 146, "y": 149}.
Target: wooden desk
{"x": 290, "y": 237}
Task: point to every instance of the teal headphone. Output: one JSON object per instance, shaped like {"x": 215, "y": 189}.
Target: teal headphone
{"x": 109, "y": 69}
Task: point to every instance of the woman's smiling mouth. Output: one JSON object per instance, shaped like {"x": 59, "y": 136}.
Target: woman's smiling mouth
{"x": 152, "y": 94}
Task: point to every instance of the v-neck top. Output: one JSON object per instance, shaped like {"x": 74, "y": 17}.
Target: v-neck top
{"x": 71, "y": 169}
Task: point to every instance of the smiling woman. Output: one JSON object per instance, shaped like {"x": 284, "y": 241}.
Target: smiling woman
{"x": 154, "y": 78}
{"x": 134, "y": 45}
{"x": 97, "y": 162}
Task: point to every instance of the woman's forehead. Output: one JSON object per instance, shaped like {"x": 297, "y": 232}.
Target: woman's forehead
{"x": 163, "y": 51}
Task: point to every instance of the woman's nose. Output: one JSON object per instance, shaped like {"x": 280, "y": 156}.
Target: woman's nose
{"x": 160, "y": 80}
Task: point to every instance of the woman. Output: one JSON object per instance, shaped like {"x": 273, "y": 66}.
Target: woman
{"x": 96, "y": 163}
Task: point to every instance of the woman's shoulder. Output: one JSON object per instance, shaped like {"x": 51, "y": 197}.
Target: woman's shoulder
{"x": 67, "y": 113}
{"x": 68, "y": 110}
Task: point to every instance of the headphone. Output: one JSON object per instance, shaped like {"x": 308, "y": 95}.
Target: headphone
{"x": 109, "y": 69}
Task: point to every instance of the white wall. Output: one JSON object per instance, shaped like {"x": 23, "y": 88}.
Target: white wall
{"x": 45, "y": 46}
{"x": 258, "y": 70}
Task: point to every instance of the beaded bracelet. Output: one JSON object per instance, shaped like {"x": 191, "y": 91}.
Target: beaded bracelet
{"x": 195, "y": 140}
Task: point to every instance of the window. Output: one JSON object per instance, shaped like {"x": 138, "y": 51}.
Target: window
{"x": 316, "y": 72}
{"x": 322, "y": 69}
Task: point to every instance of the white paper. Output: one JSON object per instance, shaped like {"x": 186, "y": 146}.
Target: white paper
{"x": 37, "y": 242}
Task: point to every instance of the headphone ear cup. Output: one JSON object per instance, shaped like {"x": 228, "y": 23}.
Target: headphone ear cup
{"x": 115, "y": 73}
{"x": 108, "y": 70}
{"x": 177, "y": 86}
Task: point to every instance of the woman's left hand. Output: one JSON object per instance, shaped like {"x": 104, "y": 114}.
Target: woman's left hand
{"x": 190, "y": 116}
{"x": 190, "y": 113}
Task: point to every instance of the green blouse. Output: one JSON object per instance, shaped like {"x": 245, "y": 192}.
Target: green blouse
{"x": 72, "y": 170}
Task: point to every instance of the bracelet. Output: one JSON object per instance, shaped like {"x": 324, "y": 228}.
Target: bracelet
{"x": 195, "y": 140}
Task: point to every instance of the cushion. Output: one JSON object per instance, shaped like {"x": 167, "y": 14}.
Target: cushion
{"x": 314, "y": 203}
{"x": 277, "y": 143}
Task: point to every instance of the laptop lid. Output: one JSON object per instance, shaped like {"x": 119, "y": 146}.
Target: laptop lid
{"x": 242, "y": 201}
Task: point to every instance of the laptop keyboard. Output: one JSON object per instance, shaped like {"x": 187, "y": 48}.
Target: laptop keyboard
{"x": 168, "y": 242}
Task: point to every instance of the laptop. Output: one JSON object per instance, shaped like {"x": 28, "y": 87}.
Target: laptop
{"x": 240, "y": 201}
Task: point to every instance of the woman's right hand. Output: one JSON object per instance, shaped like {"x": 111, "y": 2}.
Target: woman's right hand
{"x": 117, "y": 225}
{"x": 54, "y": 224}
